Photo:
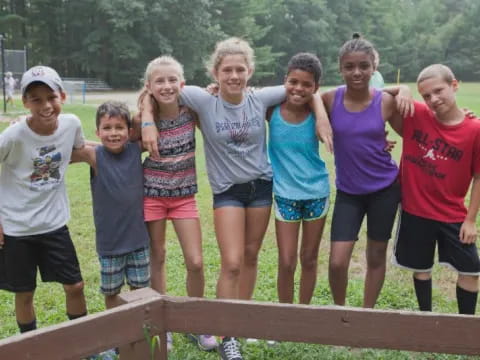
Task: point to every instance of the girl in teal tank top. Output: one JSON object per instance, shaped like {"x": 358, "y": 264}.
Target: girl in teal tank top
{"x": 300, "y": 179}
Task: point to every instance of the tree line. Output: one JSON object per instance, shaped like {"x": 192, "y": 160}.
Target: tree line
{"x": 114, "y": 39}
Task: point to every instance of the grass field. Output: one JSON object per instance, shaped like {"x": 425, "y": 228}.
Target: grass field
{"x": 397, "y": 292}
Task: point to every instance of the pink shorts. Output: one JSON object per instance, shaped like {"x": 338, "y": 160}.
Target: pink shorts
{"x": 170, "y": 208}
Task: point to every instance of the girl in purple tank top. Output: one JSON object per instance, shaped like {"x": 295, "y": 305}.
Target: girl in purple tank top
{"x": 365, "y": 172}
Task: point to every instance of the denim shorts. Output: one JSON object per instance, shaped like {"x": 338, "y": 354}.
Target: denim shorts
{"x": 255, "y": 193}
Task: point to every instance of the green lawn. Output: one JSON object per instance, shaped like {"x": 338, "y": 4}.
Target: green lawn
{"x": 397, "y": 292}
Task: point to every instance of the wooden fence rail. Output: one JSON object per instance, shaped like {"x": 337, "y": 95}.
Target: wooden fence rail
{"x": 125, "y": 326}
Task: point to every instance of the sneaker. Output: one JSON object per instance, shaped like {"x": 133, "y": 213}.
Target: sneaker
{"x": 251, "y": 341}
{"x": 204, "y": 342}
{"x": 229, "y": 349}
{"x": 169, "y": 341}
{"x": 110, "y": 354}
{"x": 272, "y": 342}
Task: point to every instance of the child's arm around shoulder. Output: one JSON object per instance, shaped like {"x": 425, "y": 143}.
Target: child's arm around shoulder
{"x": 397, "y": 104}
{"x": 322, "y": 122}
{"x": 85, "y": 154}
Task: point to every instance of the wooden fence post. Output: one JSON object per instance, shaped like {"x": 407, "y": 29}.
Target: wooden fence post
{"x": 141, "y": 349}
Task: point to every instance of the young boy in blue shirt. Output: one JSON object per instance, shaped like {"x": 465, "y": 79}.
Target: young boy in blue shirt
{"x": 34, "y": 211}
{"x": 116, "y": 179}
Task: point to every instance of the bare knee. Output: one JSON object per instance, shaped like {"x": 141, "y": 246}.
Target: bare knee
{"x": 377, "y": 261}
{"x": 251, "y": 257}
{"x": 195, "y": 265}
{"x": 337, "y": 266}
{"x": 422, "y": 275}
{"x": 309, "y": 262}
{"x": 468, "y": 282}
{"x": 288, "y": 264}
{"x": 158, "y": 256}
{"x": 74, "y": 290}
{"x": 376, "y": 255}
{"x": 231, "y": 270}
{"x": 24, "y": 299}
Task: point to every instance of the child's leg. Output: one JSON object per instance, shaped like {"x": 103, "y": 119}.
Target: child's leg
{"x": 230, "y": 231}
{"x": 59, "y": 263}
{"x": 422, "y": 282}
{"x": 24, "y": 311}
{"x": 190, "y": 237}
{"x": 348, "y": 214}
{"x": 156, "y": 230}
{"x": 75, "y": 300}
{"x": 311, "y": 236}
{"x": 112, "y": 301}
{"x": 256, "y": 225}
{"x": 376, "y": 254}
{"x": 287, "y": 242}
{"x": 414, "y": 249}
{"x": 339, "y": 261}
{"x": 467, "y": 293}
{"x": 464, "y": 258}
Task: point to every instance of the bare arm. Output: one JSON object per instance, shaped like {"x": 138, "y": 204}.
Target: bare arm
{"x": 322, "y": 124}
{"x": 468, "y": 231}
{"x": 148, "y": 128}
{"x": 403, "y": 97}
{"x": 85, "y": 154}
{"x": 136, "y": 130}
{"x": 390, "y": 112}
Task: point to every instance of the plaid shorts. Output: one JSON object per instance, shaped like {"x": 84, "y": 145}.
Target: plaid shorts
{"x": 135, "y": 266}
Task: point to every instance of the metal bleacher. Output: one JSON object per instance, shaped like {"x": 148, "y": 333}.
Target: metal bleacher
{"x": 92, "y": 84}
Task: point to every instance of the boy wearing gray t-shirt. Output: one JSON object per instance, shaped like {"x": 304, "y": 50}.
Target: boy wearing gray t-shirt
{"x": 34, "y": 154}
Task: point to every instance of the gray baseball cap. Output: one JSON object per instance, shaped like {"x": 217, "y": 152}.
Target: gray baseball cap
{"x": 42, "y": 74}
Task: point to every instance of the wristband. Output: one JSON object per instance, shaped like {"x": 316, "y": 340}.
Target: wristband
{"x": 147, "y": 123}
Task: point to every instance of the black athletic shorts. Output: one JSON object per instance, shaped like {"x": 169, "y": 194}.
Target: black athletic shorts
{"x": 52, "y": 253}
{"x": 416, "y": 241}
{"x": 379, "y": 206}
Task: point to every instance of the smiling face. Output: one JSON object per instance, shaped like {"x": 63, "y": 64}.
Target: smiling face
{"x": 438, "y": 94}
{"x": 300, "y": 86}
{"x": 113, "y": 133}
{"x": 356, "y": 68}
{"x": 232, "y": 75}
{"x": 165, "y": 84}
{"x": 44, "y": 104}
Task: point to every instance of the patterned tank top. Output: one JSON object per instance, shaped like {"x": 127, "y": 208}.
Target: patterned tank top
{"x": 174, "y": 174}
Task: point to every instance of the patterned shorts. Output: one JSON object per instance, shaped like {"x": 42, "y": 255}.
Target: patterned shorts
{"x": 296, "y": 210}
{"x": 134, "y": 266}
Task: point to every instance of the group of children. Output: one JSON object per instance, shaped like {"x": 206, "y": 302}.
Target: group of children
{"x": 132, "y": 202}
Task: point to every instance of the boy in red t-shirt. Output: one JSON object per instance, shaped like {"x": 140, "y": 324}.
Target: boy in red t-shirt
{"x": 441, "y": 156}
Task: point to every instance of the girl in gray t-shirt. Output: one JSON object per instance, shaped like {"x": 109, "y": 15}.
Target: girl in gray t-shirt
{"x": 233, "y": 128}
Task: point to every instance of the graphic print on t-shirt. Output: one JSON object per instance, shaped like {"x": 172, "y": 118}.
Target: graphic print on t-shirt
{"x": 435, "y": 151}
{"x": 239, "y": 133}
{"x": 46, "y": 168}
